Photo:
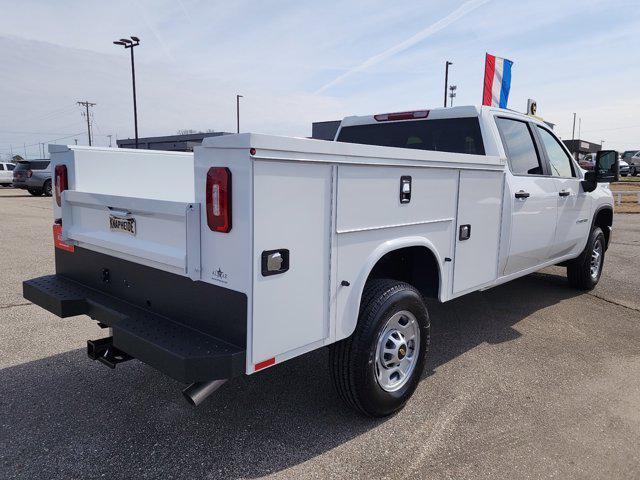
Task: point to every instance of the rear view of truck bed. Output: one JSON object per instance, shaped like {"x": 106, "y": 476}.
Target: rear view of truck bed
{"x": 257, "y": 250}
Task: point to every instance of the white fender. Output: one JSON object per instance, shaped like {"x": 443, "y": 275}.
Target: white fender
{"x": 352, "y": 306}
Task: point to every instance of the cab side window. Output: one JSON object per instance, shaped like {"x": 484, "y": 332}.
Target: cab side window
{"x": 520, "y": 147}
{"x": 10, "y": 166}
{"x": 559, "y": 160}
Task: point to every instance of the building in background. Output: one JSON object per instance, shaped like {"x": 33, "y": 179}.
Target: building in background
{"x": 174, "y": 143}
{"x": 579, "y": 148}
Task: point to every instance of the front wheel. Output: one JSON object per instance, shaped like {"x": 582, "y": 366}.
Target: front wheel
{"x": 379, "y": 366}
{"x": 584, "y": 272}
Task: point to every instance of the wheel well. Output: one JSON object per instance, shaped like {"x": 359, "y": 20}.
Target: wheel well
{"x": 416, "y": 266}
{"x": 604, "y": 220}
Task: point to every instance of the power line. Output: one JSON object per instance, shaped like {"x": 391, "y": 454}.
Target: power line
{"x": 49, "y": 115}
{"x": 48, "y": 141}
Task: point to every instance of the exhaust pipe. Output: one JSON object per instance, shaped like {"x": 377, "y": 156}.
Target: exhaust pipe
{"x": 197, "y": 392}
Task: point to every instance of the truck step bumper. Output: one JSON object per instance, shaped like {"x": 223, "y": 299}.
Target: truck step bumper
{"x": 183, "y": 353}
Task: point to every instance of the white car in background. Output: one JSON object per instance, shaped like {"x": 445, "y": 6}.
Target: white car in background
{"x": 623, "y": 168}
{"x": 6, "y": 173}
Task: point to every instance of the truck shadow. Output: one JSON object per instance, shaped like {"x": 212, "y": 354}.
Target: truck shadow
{"x": 66, "y": 417}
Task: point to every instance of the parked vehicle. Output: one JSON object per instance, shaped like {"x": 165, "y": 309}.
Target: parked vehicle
{"x": 588, "y": 161}
{"x": 264, "y": 248}
{"x": 623, "y": 168}
{"x": 33, "y": 176}
{"x": 633, "y": 159}
{"x": 6, "y": 174}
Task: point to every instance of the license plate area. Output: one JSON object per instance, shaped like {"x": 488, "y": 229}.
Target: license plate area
{"x": 125, "y": 225}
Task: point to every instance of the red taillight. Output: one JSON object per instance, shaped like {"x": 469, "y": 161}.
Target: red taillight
{"x": 219, "y": 199}
{"x": 386, "y": 117}
{"x": 60, "y": 182}
{"x": 29, "y": 173}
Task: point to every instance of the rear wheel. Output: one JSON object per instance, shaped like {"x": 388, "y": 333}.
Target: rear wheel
{"x": 584, "y": 272}
{"x": 47, "y": 188}
{"x": 36, "y": 192}
{"x": 378, "y": 368}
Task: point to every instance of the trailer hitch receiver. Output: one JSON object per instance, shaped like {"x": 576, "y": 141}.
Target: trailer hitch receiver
{"x": 104, "y": 351}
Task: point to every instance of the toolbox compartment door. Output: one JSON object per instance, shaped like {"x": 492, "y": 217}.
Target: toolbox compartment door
{"x": 157, "y": 233}
{"x": 292, "y": 211}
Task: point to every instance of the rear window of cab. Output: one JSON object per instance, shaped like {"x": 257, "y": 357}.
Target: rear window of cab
{"x": 455, "y": 135}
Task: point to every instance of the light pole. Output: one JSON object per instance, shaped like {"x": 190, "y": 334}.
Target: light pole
{"x": 238, "y": 97}
{"x": 126, "y": 43}
{"x": 446, "y": 80}
{"x": 573, "y": 132}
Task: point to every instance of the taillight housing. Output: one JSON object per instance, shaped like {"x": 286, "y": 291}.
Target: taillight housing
{"x": 61, "y": 183}
{"x": 219, "y": 199}
{"x": 29, "y": 173}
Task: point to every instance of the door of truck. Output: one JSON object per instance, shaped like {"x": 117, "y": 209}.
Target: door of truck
{"x": 574, "y": 204}
{"x": 533, "y": 196}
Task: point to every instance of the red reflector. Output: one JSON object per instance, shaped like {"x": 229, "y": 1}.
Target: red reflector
{"x": 57, "y": 239}
{"x": 219, "y": 199}
{"x": 386, "y": 117}
{"x": 60, "y": 182}
{"x": 265, "y": 364}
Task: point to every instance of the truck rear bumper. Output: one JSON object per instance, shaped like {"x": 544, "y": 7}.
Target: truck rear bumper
{"x": 184, "y": 353}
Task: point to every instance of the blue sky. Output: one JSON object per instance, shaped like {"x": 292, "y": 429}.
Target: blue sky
{"x": 297, "y": 62}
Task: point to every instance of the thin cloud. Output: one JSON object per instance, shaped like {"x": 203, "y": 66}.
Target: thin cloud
{"x": 458, "y": 13}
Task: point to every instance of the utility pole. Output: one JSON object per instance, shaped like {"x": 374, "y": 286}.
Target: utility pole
{"x": 238, "y": 97}
{"x": 452, "y": 93}
{"x": 76, "y": 140}
{"x": 86, "y": 105}
{"x": 573, "y": 132}
{"x": 446, "y": 80}
{"x": 109, "y": 140}
{"x": 130, "y": 44}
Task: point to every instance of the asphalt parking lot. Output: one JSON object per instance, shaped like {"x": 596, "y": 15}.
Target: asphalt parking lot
{"x": 528, "y": 380}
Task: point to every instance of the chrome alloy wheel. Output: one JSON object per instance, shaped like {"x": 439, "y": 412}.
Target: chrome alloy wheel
{"x": 397, "y": 351}
{"x": 596, "y": 259}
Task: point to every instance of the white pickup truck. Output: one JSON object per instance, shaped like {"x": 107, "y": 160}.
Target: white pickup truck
{"x": 257, "y": 249}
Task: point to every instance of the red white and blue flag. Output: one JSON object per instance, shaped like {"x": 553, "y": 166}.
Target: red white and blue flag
{"x": 497, "y": 81}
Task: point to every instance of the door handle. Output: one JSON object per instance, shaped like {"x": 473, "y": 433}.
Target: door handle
{"x": 522, "y": 194}
{"x": 564, "y": 193}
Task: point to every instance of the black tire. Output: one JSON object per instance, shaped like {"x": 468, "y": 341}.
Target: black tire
{"x": 579, "y": 270}
{"x": 36, "y": 192}
{"x": 353, "y": 360}
{"x": 46, "y": 188}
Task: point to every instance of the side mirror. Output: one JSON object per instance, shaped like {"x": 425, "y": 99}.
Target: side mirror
{"x": 590, "y": 181}
{"x": 607, "y": 166}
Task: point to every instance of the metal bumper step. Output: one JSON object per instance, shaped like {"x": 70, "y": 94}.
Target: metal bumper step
{"x": 183, "y": 353}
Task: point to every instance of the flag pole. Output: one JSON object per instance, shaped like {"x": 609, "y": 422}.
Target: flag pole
{"x": 484, "y": 78}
